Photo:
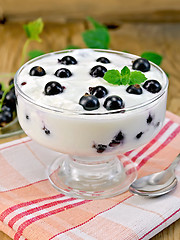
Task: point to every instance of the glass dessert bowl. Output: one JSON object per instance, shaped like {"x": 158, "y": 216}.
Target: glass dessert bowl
{"x": 56, "y": 107}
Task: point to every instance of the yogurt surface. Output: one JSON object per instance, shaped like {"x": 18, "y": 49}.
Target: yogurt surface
{"x": 79, "y": 83}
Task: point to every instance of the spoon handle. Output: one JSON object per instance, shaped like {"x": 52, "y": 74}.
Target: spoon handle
{"x": 175, "y": 162}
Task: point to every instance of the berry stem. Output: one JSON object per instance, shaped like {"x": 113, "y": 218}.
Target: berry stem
{"x": 24, "y": 51}
{"x": 7, "y": 75}
{"x": 4, "y": 95}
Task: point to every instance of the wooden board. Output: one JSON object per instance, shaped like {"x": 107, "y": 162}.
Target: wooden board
{"x": 114, "y": 10}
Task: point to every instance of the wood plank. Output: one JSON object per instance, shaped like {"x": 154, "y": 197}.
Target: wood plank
{"x": 108, "y": 11}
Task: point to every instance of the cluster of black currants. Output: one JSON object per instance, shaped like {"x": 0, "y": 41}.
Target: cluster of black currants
{"x": 8, "y": 104}
{"x": 90, "y": 101}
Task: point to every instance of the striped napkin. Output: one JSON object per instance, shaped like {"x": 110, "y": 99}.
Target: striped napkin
{"x": 30, "y": 208}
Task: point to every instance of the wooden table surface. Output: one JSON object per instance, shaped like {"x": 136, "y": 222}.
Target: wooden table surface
{"x": 163, "y": 38}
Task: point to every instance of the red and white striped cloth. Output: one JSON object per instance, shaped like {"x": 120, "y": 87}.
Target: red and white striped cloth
{"x": 30, "y": 208}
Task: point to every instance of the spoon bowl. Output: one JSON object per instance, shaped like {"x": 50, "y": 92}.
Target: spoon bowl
{"x": 158, "y": 183}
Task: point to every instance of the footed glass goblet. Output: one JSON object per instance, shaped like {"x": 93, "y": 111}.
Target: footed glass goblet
{"x": 91, "y": 144}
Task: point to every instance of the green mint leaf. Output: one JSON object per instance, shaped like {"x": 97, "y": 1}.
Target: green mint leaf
{"x": 97, "y": 38}
{"x": 95, "y": 23}
{"x": 125, "y": 73}
{"x": 72, "y": 47}
{"x": 136, "y": 77}
{"x": 33, "y": 29}
{"x": 35, "y": 53}
{"x": 113, "y": 76}
{"x": 153, "y": 57}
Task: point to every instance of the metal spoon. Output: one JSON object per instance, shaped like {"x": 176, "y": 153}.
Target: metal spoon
{"x": 156, "y": 184}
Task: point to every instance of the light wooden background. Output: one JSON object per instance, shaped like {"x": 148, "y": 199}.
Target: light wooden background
{"x": 135, "y": 26}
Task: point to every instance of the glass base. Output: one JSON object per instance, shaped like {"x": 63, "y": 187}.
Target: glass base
{"x": 92, "y": 177}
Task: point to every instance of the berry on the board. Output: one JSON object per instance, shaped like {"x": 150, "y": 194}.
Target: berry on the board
{"x": 63, "y": 73}
{"x": 37, "y": 71}
{"x": 152, "y": 86}
{"x": 98, "y": 91}
{"x": 134, "y": 89}
{"x": 98, "y": 71}
{"x": 11, "y": 81}
{"x": 53, "y": 88}
{"x": 141, "y": 64}
{"x": 89, "y": 102}
{"x": 5, "y": 117}
{"x": 1, "y": 93}
{"x": 113, "y": 102}
{"x": 10, "y": 99}
{"x": 68, "y": 60}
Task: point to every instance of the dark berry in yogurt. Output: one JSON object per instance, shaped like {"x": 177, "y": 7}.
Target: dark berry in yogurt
{"x": 98, "y": 91}
{"x": 118, "y": 139}
{"x": 89, "y": 102}
{"x": 68, "y": 60}
{"x": 100, "y": 147}
{"x": 149, "y": 119}
{"x": 98, "y": 71}
{"x": 134, "y": 89}
{"x": 63, "y": 73}
{"x": 37, "y": 71}
{"x": 141, "y": 64}
{"x": 139, "y": 135}
{"x": 152, "y": 86}
{"x": 113, "y": 102}
{"x": 53, "y": 88}
{"x": 103, "y": 60}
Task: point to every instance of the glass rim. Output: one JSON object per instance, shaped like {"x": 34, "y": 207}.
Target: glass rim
{"x": 77, "y": 112}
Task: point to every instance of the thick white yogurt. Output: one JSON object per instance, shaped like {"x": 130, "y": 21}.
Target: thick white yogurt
{"x": 80, "y": 81}
{"x": 72, "y": 132}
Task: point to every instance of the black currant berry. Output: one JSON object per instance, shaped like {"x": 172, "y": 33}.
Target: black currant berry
{"x": 149, "y": 119}
{"x": 53, "y": 88}
{"x": 134, "y": 89}
{"x": 37, "y": 71}
{"x": 141, "y": 64}
{"x": 63, "y": 73}
{"x": 98, "y": 71}
{"x": 1, "y": 93}
{"x": 11, "y": 81}
{"x": 103, "y": 60}
{"x": 6, "y": 108}
{"x": 139, "y": 135}
{"x": 68, "y": 60}
{"x": 113, "y": 102}
{"x": 5, "y": 117}
{"x": 10, "y": 99}
{"x": 8, "y": 115}
{"x": 118, "y": 139}
{"x": 89, "y": 102}
{"x": 98, "y": 91}
{"x": 100, "y": 147}
{"x": 47, "y": 131}
{"x": 152, "y": 86}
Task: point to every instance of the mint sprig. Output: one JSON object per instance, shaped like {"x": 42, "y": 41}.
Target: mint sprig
{"x": 124, "y": 77}
{"x": 98, "y": 37}
{"x": 35, "y": 53}
{"x": 153, "y": 57}
{"x": 33, "y": 30}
